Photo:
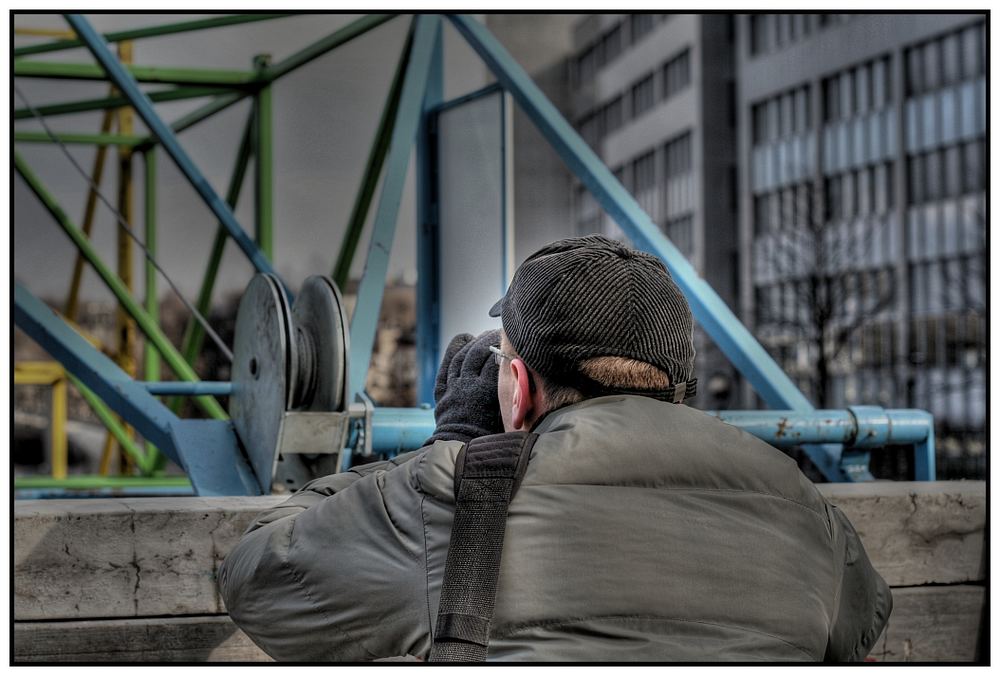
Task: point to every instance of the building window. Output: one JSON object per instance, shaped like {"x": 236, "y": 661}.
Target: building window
{"x": 802, "y": 121}
{"x": 590, "y": 128}
{"x": 881, "y": 83}
{"x": 973, "y": 52}
{"x": 644, "y": 184}
{"x": 594, "y": 56}
{"x": 644, "y": 172}
{"x": 642, "y": 96}
{"x": 677, "y": 154}
{"x": 759, "y": 121}
{"x": 586, "y": 64}
{"x": 759, "y": 33}
{"x": 680, "y": 231}
{"x": 612, "y": 44}
{"x": 640, "y": 25}
{"x": 944, "y": 61}
{"x": 831, "y": 99}
{"x": 614, "y": 115}
{"x": 677, "y": 74}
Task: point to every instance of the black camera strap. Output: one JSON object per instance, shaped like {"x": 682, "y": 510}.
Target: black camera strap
{"x": 488, "y": 471}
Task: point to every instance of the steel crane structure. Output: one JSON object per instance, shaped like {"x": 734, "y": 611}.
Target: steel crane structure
{"x": 297, "y": 403}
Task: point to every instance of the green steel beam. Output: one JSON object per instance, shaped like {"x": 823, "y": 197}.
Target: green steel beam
{"x": 195, "y": 116}
{"x": 178, "y": 76}
{"x": 373, "y": 169}
{"x": 264, "y": 164}
{"x": 321, "y": 47}
{"x": 110, "y": 421}
{"x": 194, "y": 335}
{"x": 86, "y": 139}
{"x": 150, "y": 31}
{"x": 151, "y": 357}
{"x": 92, "y": 481}
{"x": 175, "y": 94}
{"x": 146, "y": 323}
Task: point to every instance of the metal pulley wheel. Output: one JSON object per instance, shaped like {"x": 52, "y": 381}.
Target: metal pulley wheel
{"x": 321, "y": 338}
{"x": 285, "y": 359}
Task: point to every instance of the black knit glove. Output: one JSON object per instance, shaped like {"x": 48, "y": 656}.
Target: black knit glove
{"x": 466, "y": 390}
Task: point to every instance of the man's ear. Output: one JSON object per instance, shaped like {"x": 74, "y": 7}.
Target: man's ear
{"x": 523, "y": 400}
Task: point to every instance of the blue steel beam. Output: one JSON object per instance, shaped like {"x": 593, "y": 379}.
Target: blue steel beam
{"x": 428, "y": 291}
{"x": 129, "y": 399}
{"x": 427, "y": 33}
{"x": 207, "y": 450}
{"x": 169, "y": 388}
{"x": 128, "y": 86}
{"x": 735, "y": 341}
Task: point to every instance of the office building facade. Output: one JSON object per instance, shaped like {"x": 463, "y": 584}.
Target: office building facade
{"x": 862, "y": 174}
{"x": 653, "y": 95}
{"x": 826, "y": 174}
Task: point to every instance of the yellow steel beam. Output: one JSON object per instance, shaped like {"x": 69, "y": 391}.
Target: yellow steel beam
{"x": 60, "y": 445}
{"x": 50, "y": 373}
{"x": 37, "y": 372}
{"x": 60, "y": 34}
{"x": 72, "y": 300}
{"x": 127, "y": 333}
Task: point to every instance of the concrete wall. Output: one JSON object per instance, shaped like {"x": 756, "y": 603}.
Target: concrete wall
{"x": 134, "y": 579}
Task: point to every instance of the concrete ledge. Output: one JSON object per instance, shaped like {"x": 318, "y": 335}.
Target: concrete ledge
{"x": 932, "y": 624}
{"x": 170, "y": 639}
{"x": 920, "y": 532}
{"x": 100, "y": 571}
{"x": 139, "y": 557}
{"x": 158, "y": 556}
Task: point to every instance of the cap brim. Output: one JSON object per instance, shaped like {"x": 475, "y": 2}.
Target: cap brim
{"x": 497, "y": 308}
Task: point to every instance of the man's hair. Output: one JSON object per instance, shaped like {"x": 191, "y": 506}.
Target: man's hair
{"x": 611, "y": 372}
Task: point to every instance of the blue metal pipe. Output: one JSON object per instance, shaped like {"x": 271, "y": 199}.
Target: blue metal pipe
{"x": 860, "y": 427}
{"x": 396, "y": 430}
{"x": 923, "y": 453}
{"x": 125, "y": 82}
{"x": 856, "y": 427}
{"x": 218, "y": 389}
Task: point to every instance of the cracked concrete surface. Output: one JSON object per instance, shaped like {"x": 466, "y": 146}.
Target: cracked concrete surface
{"x": 918, "y": 533}
{"x": 81, "y": 559}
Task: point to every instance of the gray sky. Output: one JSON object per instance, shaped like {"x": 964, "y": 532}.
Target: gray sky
{"x": 325, "y": 115}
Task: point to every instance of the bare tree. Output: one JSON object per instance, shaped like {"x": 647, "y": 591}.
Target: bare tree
{"x": 821, "y": 264}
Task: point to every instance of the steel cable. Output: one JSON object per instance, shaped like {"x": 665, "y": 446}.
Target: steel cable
{"x": 128, "y": 230}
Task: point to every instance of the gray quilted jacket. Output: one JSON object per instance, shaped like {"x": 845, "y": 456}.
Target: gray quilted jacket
{"x": 642, "y": 531}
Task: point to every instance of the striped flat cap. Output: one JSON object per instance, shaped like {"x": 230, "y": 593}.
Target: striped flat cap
{"x": 591, "y": 296}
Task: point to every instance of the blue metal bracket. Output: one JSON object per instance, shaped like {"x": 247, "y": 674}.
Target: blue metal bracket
{"x": 125, "y": 82}
{"x": 427, "y": 34}
{"x": 207, "y": 450}
{"x": 735, "y": 341}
